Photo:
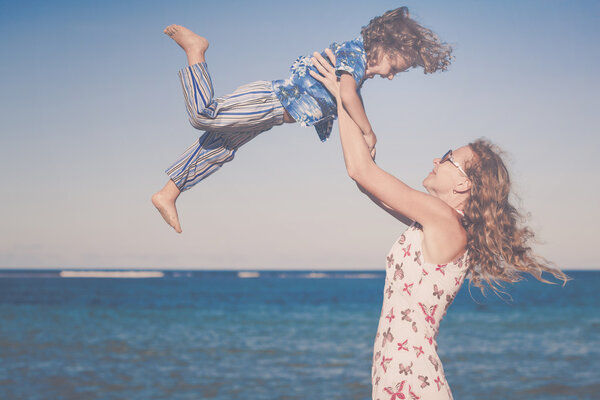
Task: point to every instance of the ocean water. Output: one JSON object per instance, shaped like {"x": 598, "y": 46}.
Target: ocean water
{"x": 279, "y": 335}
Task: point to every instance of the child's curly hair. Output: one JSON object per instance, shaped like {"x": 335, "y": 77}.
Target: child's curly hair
{"x": 395, "y": 33}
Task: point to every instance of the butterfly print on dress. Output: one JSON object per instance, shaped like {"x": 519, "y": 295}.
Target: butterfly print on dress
{"x": 406, "y": 370}
{"x": 402, "y": 346}
{"x": 384, "y": 363}
{"x": 449, "y": 300}
{"x": 390, "y": 260}
{"x": 407, "y": 288}
{"x": 419, "y": 350}
{"x": 376, "y": 356}
{"x": 402, "y": 239}
{"x": 387, "y": 337}
{"x": 390, "y": 315}
{"x": 433, "y": 361}
{"x": 389, "y": 291}
{"x": 418, "y": 257}
{"x": 412, "y": 395}
{"x": 439, "y": 383}
{"x": 437, "y": 292}
{"x": 429, "y": 315}
{"x": 429, "y": 339}
{"x": 406, "y": 250}
{"x": 424, "y": 380}
{"x": 414, "y": 327}
{"x": 405, "y": 316}
{"x": 397, "y": 392}
{"x": 440, "y": 268}
{"x": 459, "y": 262}
{"x": 399, "y": 274}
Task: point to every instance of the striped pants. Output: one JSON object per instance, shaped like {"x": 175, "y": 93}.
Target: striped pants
{"x": 230, "y": 122}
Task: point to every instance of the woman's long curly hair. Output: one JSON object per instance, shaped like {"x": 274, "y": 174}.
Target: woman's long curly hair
{"x": 395, "y": 33}
{"x": 498, "y": 244}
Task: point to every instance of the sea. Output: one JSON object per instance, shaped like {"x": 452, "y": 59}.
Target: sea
{"x": 74, "y": 334}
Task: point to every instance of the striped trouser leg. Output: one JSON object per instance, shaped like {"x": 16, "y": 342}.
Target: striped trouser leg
{"x": 205, "y": 157}
{"x": 246, "y": 108}
{"x": 229, "y": 122}
{"x": 198, "y": 93}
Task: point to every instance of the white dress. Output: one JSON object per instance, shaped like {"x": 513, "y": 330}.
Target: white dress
{"x": 415, "y": 299}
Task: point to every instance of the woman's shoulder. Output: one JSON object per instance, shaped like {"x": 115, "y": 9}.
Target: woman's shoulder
{"x": 443, "y": 243}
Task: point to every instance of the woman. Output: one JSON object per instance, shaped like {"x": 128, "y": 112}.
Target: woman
{"x": 463, "y": 224}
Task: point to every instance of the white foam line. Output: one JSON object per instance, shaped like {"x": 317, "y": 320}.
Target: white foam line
{"x": 111, "y": 274}
{"x": 248, "y": 274}
{"x": 316, "y": 275}
{"x": 361, "y": 276}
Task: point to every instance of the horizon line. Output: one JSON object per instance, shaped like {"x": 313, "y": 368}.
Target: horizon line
{"x": 244, "y": 269}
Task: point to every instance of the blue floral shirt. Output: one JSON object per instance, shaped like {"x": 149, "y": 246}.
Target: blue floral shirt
{"x": 306, "y": 99}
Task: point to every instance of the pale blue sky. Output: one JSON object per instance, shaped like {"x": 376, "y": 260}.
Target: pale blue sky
{"x": 92, "y": 113}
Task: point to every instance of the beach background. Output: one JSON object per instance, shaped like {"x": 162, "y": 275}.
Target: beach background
{"x": 91, "y": 114}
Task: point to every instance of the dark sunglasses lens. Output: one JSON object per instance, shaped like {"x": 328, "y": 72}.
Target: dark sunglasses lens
{"x": 446, "y": 156}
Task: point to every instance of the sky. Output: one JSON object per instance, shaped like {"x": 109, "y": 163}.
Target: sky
{"x": 91, "y": 114}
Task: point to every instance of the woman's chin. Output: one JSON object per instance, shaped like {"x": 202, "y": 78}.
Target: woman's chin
{"x": 425, "y": 182}
{"x": 426, "y": 186}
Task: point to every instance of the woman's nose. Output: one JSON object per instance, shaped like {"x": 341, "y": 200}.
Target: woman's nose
{"x": 436, "y": 161}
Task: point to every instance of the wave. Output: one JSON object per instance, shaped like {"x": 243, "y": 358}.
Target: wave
{"x": 111, "y": 274}
{"x": 248, "y": 274}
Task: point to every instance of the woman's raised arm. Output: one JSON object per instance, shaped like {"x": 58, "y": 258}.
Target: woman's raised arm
{"x": 382, "y": 186}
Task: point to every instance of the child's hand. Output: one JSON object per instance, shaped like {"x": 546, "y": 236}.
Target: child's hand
{"x": 371, "y": 140}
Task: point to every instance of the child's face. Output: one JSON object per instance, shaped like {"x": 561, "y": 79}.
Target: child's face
{"x": 387, "y": 67}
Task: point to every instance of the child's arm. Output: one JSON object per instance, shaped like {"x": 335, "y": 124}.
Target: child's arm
{"x": 354, "y": 107}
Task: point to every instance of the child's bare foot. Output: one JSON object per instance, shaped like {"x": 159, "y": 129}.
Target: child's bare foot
{"x": 164, "y": 201}
{"x": 194, "y": 45}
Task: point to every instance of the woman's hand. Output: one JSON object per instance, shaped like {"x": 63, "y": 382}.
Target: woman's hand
{"x": 326, "y": 73}
{"x": 331, "y": 82}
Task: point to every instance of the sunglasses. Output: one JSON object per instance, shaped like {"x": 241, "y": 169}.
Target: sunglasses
{"x": 448, "y": 157}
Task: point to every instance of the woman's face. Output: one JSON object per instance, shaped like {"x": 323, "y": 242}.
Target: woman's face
{"x": 446, "y": 177}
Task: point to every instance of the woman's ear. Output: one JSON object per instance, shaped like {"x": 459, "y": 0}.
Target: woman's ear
{"x": 463, "y": 186}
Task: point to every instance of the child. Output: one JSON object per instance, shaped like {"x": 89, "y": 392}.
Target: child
{"x": 390, "y": 44}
